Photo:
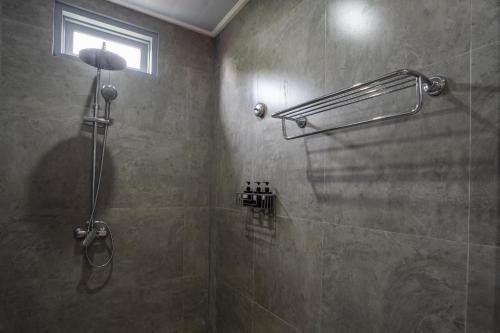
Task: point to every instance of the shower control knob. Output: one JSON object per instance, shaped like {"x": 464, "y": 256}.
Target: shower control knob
{"x": 79, "y": 233}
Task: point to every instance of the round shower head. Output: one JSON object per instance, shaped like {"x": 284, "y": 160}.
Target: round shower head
{"x": 109, "y": 92}
{"x": 102, "y": 59}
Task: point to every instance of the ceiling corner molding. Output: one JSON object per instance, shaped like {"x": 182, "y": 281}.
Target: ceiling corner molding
{"x": 220, "y": 26}
{"x": 229, "y": 16}
{"x": 161, "y": 17}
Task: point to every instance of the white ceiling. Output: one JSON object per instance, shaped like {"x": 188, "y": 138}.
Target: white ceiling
{"x": 208, "y": 17}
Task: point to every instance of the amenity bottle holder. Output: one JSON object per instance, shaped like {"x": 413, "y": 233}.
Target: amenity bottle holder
{"x": 260, "y": 200}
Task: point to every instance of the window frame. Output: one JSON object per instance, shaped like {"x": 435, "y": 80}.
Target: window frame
{"x": 69, "y": 19}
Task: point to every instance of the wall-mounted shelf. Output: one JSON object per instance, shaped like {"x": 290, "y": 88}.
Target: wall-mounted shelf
{"x": 389, "y": 83}
{"x": 259, "y": 201}
{"x": 256, "y": 200}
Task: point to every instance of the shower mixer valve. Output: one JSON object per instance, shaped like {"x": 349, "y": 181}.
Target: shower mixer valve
{"x": 99, "y": 231}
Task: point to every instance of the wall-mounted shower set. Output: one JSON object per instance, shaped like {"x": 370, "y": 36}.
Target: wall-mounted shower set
{"x": 100, "y": 59}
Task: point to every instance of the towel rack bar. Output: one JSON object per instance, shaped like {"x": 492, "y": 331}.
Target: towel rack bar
{"x": 335, "y": 104}
{"x": 336, "y": 96}
{"x": 387, "y": 84}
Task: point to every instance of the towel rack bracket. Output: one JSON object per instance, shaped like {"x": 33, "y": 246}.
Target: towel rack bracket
{"x": 438, "y": 84}
{"x": 301, "y": 122}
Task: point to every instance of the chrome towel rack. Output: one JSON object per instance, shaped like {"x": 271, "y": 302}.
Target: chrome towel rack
{"x": 389, "y": 83}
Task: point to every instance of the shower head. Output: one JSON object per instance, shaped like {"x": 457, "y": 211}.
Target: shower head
{"x": 102, "y": 59}
{"x": 109, "y": 93}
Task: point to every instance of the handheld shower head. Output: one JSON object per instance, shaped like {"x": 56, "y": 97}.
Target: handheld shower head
{"x": 109, "y": 93}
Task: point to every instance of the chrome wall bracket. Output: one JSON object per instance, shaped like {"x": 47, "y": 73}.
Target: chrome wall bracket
{"x": 88, "y": 120}
{"x": 301, "y": 122}
{"x": 260, "y": 110}
{"x": 436, "y": 86}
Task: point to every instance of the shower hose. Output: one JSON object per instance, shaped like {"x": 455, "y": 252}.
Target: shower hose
{"x": 92, "y": 214}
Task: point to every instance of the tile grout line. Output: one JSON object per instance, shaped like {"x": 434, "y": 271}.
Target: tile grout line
{"x": 254, "y": 257}
{"x": 325, "y": 37}
{"x": 321, "y": 272}
{"x": 184, "y": 212}
{"x": 321, "y": 268}
{"x": 469, "y": 175}
{"x": 211, "y": 278}
{"x": 484, "y": 46}
{"x": 276, "y": 316}
{"x": 253, "y": 302}
{"x": 325, "y": 222}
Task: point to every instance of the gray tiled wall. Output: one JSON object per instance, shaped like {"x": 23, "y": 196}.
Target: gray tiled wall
{"x": 155, "y": 195}
{"x": 385, "y": 228}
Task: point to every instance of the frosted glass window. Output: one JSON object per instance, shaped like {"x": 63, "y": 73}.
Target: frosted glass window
{"x": 76, "y": 29}
{"x": 131, "y": 54}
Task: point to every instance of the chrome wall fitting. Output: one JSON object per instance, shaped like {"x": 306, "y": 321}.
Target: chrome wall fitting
{"x": 101, "y": 232}
{"x": 89, "y": 120}
{"x": 436, "y": 85}
{"x": 79, "y": 233}
{"x": 301, "y": 122}
{"x": 260, "y": 110}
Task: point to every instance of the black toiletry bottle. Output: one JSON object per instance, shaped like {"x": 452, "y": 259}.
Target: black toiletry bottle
{"x": 257, "y": 196}
{"x": 247, "y": 198}
{"x": 267, "y": 198}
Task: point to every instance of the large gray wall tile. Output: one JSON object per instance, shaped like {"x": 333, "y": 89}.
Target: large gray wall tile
{"x": 485, "y": 85}
{"x": 234, "y": 311}
{"x": 46, "y": 282}
{"x": 376, "y": 281}
{"x": 195, "y": 305}
{"x": 483, "y": 311}
{"x": 33, "y": 12}
{"x": 369, "y": 38}
{"x": 196, "y": 241}
{"x": 265, "y": 321}
{"x": 408, "y": 175}
{"x": 485, "y": 22}
{"x": 234, "y": 251}
{"x": 288, "y": 272}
